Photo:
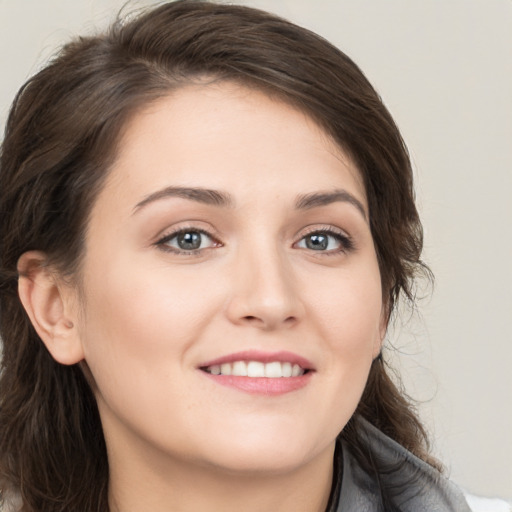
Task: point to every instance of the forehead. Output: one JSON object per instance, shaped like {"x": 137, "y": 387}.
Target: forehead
{"x": 227, "y": 135}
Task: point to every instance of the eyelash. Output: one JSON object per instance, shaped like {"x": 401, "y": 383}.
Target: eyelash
{"x": 162, "y": 242}
{"x": 346, "y": 243}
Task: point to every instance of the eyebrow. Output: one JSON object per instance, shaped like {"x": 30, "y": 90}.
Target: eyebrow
{"x": 316, "y": 199}
{"x": 201, "y": 195}
{"x": 223, "y": 199}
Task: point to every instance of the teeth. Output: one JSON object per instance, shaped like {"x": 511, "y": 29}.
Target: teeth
{"x": 239, "y": 369}
{"x": 287, "y": 370}
{"x": 215, "y": 369}
{"x": 273, "y": 370}
{"x": 255, "y": 369}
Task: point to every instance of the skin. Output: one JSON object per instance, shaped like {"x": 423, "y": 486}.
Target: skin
{"x": 148, "y": 316}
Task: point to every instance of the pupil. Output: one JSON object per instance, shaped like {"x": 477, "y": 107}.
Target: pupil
{"x": 317, "y": 242}
{"x": 189, "y": 241}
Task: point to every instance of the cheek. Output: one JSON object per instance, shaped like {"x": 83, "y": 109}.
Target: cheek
{"x": 140, "y": 330}
{"x": 348, "y": 309}
{"x": 141, "y": 320}
{"x": 348, "y": 320}
{"x": 348, "y": 316}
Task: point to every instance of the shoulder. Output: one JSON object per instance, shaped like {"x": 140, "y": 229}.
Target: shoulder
{"x": 393, "y": 478}
{"x": 415, "y": 486}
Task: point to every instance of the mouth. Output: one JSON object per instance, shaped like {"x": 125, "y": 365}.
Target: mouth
{"x": 271, "y": 370}
{"x": 258, "y": 372}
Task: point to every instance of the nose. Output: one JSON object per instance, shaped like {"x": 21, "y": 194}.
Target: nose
{"x": 264, "y": 292}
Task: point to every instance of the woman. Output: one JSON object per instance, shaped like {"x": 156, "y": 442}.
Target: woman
{"x": 207, "y": 221}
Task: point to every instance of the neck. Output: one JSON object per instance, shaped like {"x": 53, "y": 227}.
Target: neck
{"x": 143, "y": 485}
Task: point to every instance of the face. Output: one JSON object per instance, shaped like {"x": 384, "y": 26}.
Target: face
{"x": 231, "y": 301}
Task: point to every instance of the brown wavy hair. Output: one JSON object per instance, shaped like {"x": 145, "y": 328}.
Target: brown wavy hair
{"x": 61, "y": 138}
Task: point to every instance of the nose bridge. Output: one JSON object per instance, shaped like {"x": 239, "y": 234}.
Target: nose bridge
{"x": 264, "y": 291}
{"x": 272, "y": 280}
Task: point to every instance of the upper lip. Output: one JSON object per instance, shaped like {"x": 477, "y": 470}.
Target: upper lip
{"x": 263, "y": 357}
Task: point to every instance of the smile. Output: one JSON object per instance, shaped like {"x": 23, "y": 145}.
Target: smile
{"x": 272, "y": 370}
{"x": 262, "y": 373}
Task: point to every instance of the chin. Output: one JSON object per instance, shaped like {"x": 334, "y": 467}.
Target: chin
{"x": 265, "y": 452}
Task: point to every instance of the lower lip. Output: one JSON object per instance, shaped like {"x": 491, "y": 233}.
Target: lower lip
{"x": 262, "y": 385}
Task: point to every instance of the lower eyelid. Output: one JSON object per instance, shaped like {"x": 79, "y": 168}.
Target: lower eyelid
{"x": 163, "y": 241}
{"x": 344, "y": 240}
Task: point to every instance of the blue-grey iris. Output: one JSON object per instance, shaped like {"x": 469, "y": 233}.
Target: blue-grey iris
{"x": 189, "y": 241}
{"x": 318, "y": 242}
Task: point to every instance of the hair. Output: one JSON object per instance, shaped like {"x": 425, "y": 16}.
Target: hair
{"x": 61, "y": 138}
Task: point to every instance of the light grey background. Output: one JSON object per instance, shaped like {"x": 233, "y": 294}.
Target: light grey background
{"x": 444, "y": 68}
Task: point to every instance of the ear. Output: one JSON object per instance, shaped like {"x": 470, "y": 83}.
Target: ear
{"x": 48, "y": 302}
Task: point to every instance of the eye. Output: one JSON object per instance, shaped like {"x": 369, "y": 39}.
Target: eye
{"x": 187, "y": 241}
{"x": 325, "y": 241}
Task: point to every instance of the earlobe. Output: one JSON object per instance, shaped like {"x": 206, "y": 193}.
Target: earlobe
{"x": 47, "y": 303}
